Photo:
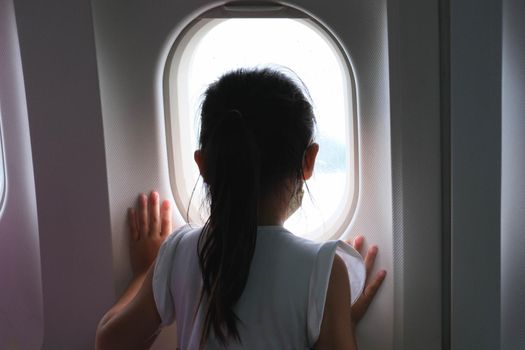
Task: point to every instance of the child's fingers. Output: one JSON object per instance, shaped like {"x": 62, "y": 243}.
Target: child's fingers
{"x": 154, "y": 220}
{"x": 143, "y": 214}
{"x": 165, "y": 218}
{"x": 361, "y": 305}
{"x": 357, "y": 243}
{"x": 132, "y": 222}
{"x": 370, "y": 259}
{"x": 372, "y": 288}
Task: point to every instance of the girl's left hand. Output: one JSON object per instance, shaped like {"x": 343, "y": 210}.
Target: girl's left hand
{"x": 149, "y": 226}
{"x": 372, "y": 283}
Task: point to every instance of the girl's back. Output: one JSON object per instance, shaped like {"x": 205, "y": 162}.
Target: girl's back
{"x": 283, "y": 300}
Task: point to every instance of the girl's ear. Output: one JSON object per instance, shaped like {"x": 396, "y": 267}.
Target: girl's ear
{"x": 309, "y": 160}
{"x": 197, "y": 155}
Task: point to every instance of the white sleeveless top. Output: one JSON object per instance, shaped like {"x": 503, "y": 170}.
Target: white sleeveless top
{"x": 283, "y": 302}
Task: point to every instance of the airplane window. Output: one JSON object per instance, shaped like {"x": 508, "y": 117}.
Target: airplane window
{"x": 210, "y": 47}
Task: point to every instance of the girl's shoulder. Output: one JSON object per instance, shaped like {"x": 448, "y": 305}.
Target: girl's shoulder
{"x": 279, "y": 239}
{"x": 174, "y": 249}
{"x": 182, "y": 234}
{"x": 317, "y": 257}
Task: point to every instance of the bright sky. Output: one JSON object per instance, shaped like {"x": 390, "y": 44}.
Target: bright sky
{"x": 236, "y": 43}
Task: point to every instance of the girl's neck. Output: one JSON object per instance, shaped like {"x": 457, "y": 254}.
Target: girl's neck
{"x": 272, "y": 211}
{"x": 269, "y": 221}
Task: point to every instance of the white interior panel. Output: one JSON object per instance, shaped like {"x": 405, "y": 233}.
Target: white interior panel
{"x": 419, "y": 245}
{"x": 61, "y": 270}
{"x": 57, "y": 52}
{"x": 21, "y": 313}
{"x": 133, "y": 42}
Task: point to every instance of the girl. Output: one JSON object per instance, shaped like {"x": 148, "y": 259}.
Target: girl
{"x": 243, "y": 281}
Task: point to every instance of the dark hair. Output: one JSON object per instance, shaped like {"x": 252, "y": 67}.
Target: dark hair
{"x": 255, "y": 127}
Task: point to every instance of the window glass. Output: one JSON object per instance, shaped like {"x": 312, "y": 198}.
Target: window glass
{"x": 211, "y": 47}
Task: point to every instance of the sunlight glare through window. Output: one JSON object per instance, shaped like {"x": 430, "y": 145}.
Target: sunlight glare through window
{"x": 222, "y": 45}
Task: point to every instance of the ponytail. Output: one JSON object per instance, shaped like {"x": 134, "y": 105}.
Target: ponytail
{"x": 227, "y": 243}
{"x": 255, "y": 127}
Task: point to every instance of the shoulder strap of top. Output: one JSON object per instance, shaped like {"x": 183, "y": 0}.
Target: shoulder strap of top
{"x": 355, "y": 267}
{"x": 161, "y": 276}
{"x": 320, "y": 278}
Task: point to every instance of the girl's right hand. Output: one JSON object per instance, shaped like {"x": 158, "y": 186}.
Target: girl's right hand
{"x": 372, "y": 285}
{"x": 149, "y": 224}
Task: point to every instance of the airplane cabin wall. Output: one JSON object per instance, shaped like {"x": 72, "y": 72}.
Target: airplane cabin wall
{"x": 21, "y": 315}
{"x": 414, "y": 59}
{"x": 93, "y": 84}
{"x": 513, "y": 177}
{"x": 475, "y": 173}
{"x": 132, "y": 46}
{"x": 63, "y": 104}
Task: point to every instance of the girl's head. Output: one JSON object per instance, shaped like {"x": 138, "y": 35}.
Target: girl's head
{"x": 256, "y": 144}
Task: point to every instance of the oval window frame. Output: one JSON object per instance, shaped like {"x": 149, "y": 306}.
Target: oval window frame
{"x": 245, "y": 9}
